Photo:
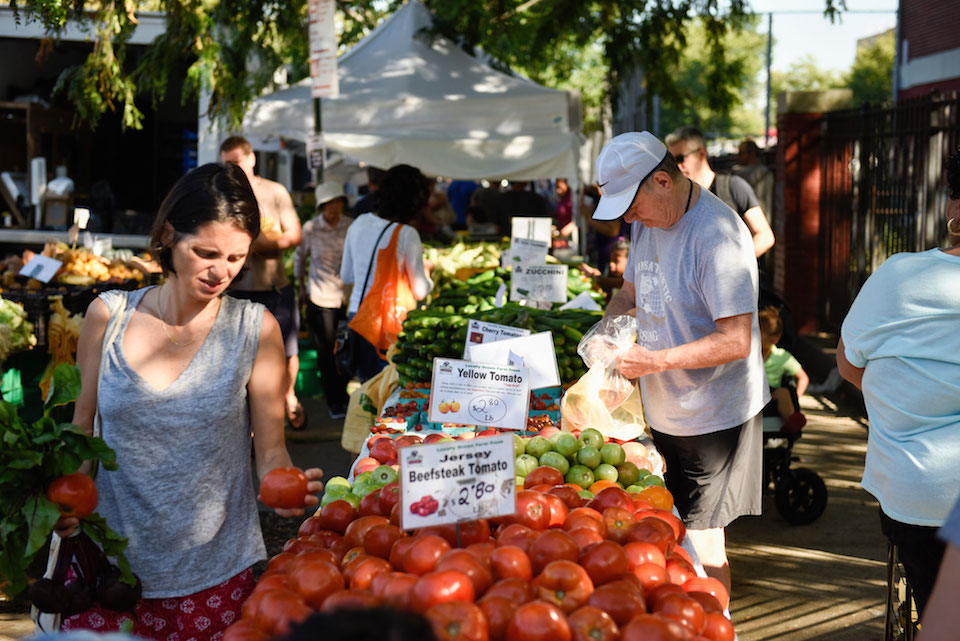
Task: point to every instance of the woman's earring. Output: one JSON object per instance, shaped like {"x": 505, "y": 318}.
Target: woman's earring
{"x": 952, "y": 227}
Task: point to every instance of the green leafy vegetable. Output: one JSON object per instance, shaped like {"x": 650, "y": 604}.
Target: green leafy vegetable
{"x": 32, "y": 456}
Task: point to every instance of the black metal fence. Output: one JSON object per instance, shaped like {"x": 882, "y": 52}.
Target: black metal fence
{"x": 882, "y": 191}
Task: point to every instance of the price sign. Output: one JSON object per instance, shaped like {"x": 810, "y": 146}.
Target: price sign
{"x": 323, "y": 48}
{"x": 582, "y": 300}
{"x": 479, "y": 332}
{"x": 315, "y": 149}
{"x": 533, "y": 228}
{"x": 479, "y": 394}
{"x": 539, "y": 282}
{"x": 453, "y": 482}
{"x": 525, "y": 251}
{"x": 536, "y": 351}
{"x": 41, "y": 268}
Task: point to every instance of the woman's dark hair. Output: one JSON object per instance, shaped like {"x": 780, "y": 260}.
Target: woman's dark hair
{"x": 953, "y": 175}
{"x": 211, "y": 193}
{"x": 403, "y": 194}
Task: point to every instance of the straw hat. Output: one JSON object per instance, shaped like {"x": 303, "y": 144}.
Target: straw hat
{"x": 327, "y": 191}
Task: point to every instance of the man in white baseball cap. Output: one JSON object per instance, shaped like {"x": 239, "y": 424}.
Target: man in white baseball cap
{"x": 691, "y": 279}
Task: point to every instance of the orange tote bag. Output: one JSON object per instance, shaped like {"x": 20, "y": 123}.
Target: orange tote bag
{"x": 382, "y": 311}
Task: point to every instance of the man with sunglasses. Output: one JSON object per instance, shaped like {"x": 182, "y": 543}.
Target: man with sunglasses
{"x": 691, "y": 281}
{"x": 689, "y": 147}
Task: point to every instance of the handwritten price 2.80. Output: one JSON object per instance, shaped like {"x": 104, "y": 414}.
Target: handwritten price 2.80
{"x": 477, "y": 491}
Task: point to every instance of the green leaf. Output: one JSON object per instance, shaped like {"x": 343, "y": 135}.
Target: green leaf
{"x": 8, "y": 414}
{"x": 41, "y": 515}
{"x": 64, "y": 387}
{"x": 26, "y": 460}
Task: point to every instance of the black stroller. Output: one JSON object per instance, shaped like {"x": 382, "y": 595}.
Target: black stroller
{"x": 799, "y": 494}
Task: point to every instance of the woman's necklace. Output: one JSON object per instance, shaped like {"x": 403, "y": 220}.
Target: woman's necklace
{"x": 163, "y": 326}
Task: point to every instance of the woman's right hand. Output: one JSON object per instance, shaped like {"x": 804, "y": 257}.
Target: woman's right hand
{"x": 66, "y": 525}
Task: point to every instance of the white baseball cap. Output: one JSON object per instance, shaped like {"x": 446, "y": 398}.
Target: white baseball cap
{"x": 623, "y": 164}
{"x": 327, "y": 191}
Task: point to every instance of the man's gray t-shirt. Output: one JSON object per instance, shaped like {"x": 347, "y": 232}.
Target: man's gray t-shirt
{"x": 685, "y": 277}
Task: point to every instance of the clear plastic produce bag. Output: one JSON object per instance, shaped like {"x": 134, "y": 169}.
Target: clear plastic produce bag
{"x": 603, "y": 398}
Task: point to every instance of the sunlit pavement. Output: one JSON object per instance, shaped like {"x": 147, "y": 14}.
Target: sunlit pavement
{"x": 825, "y": 580}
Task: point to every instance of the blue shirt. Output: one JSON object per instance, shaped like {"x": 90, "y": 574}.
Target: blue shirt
{"x": 904, "y": 330}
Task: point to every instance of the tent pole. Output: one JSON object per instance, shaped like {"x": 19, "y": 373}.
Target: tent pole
{"x": 317, "y": 129}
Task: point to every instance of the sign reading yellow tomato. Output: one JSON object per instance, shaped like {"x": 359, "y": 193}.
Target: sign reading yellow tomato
{"x": 482, "y": 394}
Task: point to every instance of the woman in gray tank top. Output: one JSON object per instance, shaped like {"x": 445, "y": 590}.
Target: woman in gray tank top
{"x": 177, "y": 377}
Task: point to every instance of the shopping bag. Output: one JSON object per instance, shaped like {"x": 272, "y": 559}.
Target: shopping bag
{"x": 384, "y": 308}
{"x": 366, "y": 404}
{"x": 603, "y": 398}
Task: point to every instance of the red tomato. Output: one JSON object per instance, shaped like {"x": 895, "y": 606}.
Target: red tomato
{"x": 683, "y": 554}
{"x": 660, "y": 592}
{"x": 585, "y": 538}
{"x": 627, "y": 582}
{"x": 281, "y": 562}
{"x": 458, "y": 621}
{"x": 651, "y": 575}
{"x": 592, "y": 624}
{"x": 640, "y": 503}
{"x": 708, "y": 601}
{"x": 680, "y": 571}
{"x": 399, "y": 550}
{"x": 510, "y": 561}
{"x": 379, "y": 539}
{"x": 552, "y": 545}
{"x": 517, "y": 535}
{"x": 352, "y": 555}
{"x": 499, "y": 611}
{"x": 350, "y": 600}
{"x": 604, "y": 562}
{"x": 543, "y": 475}
{"x": 683, "y": 610}
{"x": 711, "y": 586}
{"x": 393, "y": 589}
{"x": 353, "y": 534}
{"x": 532, "y": 510}
{"x": 612, "y": 497}
{"x": 310, "y": 526}
{"x": 423, "y": 554}
{"x": 653, "y": 530}
{"x": 370, "y": 505}
{"x": 558, "y": 509}
{"x": 463, "y": 561}
{"x": 313, "y": 555}
{"x": 474, "y": 532}
{"x": 325, "y": 539}
{"x": 639, "y": 553}
{"x": 621, "y": 605}
{"x": 272, "y": 581}
{"x": 284, "y": 488}
{"x": 650, "y": 627}
{"x": 440, "y": 587}
{"x": 299, "y": 546}
{"x": 76, "y": 495}
{"x": 568, "y": 495}
{"x": 353, "y": 564}
{"x": 388, "y": 497}
{"x": 716, "y": 627}
{"x": 243, "y": 630}
{"x": 395, "y": 514}
{"x": 619, "y": 522}
{"x": 315, "y": 581}
{"x": 366, "y": 569}
{"x": 538, "y": 621}
{"x": 447, "y": 532}
{"x": 517, "y": 590}
{"x": 276, "y": 610}
{"x": 564, "y": 584}
{"x": 668, "y": 517}
{"x": 483, "y": 552}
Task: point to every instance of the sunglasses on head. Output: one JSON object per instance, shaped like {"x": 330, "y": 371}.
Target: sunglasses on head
{"x": 680, "y": 157}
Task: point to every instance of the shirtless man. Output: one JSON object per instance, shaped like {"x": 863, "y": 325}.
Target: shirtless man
{"x": 265, "y": 280}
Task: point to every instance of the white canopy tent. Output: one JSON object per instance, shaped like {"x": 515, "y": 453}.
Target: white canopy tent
{"x": 406, "y": 99}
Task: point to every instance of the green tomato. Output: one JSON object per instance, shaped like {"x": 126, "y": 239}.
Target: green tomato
{"x": 589, "y": 456}
{"x": 586, "y": 494}
{"x": 644, "y": 473}
{"x": 592, "y": 438}
{"x": 384, "y": 475}
{"x": 627, "y": 473}
{"x": 330, "y": 498}
{"x": 363, "y": 478}
{"x": 351, "y": 499}
{"x": 580, "y": 475}
{"x": 636, "y": 489}
{"x": 555, "y": 460}
{"x": 652, "y": 479}
{"x": 336, "y": 481}
{"x": 605, "y": 472}
{"x": 518, "y": 482}
{"x": 519, "y": 447}
{"x": 336, "y": 490}
{"x": 538, "y": 446}
{"x": 524, "y": 464}
{"x": 613, "y": 454}
{"x": 565, "y": 443}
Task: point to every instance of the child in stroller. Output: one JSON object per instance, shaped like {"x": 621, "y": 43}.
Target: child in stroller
{"x": 800, "y": 495}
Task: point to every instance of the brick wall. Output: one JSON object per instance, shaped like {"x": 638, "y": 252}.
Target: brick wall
{"x": 930, "y": 26}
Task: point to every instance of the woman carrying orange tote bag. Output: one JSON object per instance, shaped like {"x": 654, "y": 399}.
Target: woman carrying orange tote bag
{"x": 381, "y": 313}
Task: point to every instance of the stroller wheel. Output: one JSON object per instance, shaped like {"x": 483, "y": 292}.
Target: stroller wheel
{"x": 801, "y": 496}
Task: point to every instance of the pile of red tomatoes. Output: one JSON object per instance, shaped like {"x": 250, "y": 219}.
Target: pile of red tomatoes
{"x": 561, "y": 568}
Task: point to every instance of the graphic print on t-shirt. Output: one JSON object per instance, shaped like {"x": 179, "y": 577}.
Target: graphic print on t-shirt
{"x": 652, "y": 295}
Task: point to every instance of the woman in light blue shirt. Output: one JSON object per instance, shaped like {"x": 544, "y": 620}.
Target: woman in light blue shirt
{"x": 900, "y": 344}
